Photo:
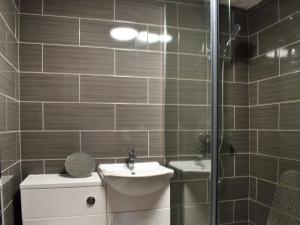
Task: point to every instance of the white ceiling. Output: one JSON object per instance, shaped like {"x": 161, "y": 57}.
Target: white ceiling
{"x": 242, "y": 4}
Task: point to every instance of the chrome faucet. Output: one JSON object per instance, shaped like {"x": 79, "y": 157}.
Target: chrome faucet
{"x": 130, "y": 159}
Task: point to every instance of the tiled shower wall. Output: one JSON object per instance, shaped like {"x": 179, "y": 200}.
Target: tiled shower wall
{"x": 9, "y": 112}
{"x": 274, "y": 100}
{"x": 234, "y": 154}
{"x": 190, "y": 191}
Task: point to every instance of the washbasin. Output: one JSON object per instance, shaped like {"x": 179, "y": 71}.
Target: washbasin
{"x": 192, "y": 166}
{"x": 144, "y": 179}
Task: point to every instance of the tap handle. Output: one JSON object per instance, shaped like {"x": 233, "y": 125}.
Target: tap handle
{"x": 131, "y": 153}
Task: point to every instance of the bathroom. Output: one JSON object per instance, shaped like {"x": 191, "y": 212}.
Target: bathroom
{"x": 193, "y": 104}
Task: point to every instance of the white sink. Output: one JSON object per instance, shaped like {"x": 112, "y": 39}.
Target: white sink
{"x": 146, "y": 177}
{"x": 192, "y": 166}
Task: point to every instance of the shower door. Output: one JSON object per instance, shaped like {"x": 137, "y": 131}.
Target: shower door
{"x": 188, "y": 111}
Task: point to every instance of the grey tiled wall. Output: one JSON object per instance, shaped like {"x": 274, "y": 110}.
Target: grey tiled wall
{"x": 81, "y": 90}
{"x": 274, "y": 100}
{"x": 9, "y": 112}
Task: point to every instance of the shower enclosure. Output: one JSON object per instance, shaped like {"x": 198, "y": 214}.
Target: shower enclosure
{"x": 237, "y": 112}
{"x": 209, "y": 88}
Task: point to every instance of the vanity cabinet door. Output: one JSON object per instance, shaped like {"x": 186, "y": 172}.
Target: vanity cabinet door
{"x": 63, "y": 202}
{"x": 80, "y": 220}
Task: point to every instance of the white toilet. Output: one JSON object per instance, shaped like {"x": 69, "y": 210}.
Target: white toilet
{"x": 59, "y": 200}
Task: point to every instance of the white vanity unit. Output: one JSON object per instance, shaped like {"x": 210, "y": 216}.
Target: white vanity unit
{"x": 139, "y": 196}
{"x": 60, "y": 200}
{"x": 122, "y": 197}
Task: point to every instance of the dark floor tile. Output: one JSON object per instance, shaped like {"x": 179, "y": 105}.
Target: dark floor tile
{"x": 48, "y": 29}
{"x": 67, "y": 59}
{"x": 49, "y": 145}
{"x": 103, "y": 9}
{"x": 75, "y": 116}
{"x": 49, "y": 87}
